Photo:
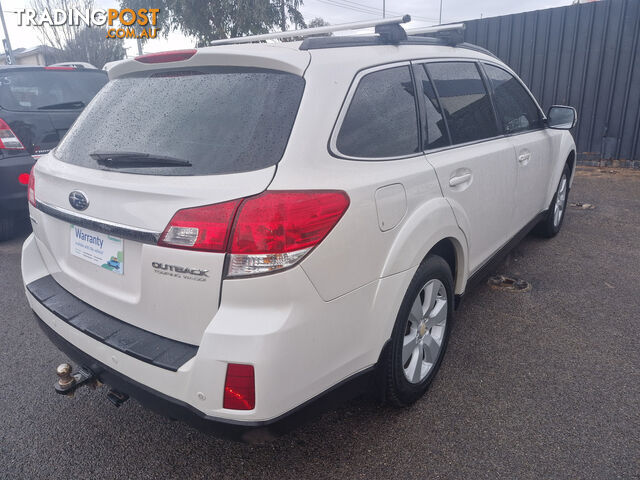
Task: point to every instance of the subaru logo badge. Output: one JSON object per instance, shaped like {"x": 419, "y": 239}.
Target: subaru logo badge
{"x": 78, "y": 200}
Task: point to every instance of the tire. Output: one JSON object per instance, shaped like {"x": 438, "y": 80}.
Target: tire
{"x": 409, "y": 371}
{"x": 552, "y": 223}
{"x": 7, "y": 226}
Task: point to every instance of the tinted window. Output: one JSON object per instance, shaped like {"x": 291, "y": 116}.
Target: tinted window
{"x": 30, "y": 89}
{"x": 381, "y": 120}
{"x": 434, "y": 134}
{"x": 515, "y": 107}
{"x": 221, "y": 120}
{"x": 465, "y": 102}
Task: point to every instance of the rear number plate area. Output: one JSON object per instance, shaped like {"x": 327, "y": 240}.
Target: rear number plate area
{"x": 98, "y": 248}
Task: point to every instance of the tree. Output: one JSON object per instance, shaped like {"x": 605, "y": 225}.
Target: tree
{"x": 79, "y": 43}
{"x": 92, "y": 45}
{"x": 212, "y": 20}
{"x": 320, "y": 22}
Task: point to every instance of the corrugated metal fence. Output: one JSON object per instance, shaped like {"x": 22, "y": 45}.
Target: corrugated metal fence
{"x": 584, "y": 55}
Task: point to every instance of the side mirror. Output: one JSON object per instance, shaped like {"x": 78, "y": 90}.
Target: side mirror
{"x": 561, "y": 118}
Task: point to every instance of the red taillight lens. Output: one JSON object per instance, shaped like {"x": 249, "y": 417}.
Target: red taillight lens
{"x": 281, "y": 222}
{"x": 8, "y": 139}
{"x": 239, "y": 387}
{"x": 271, "y": 231}
{"x": 162, "y": 57}
{"x": 23, "y": 179}
{"x": 31, "y": 189}
{"x": 201, "y": 228}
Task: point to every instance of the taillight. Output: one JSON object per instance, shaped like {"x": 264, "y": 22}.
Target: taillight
{"x": 202, "y": 228}
{"x": 171, "y": 56}
{"x": 239, "y": 387}
{"x": 23, "y": 179}
{"x": 8, "y": 139}
{"x": 265, "y": 233}
{"x": 31, "y": 189}
{"x": 275, "y": 230}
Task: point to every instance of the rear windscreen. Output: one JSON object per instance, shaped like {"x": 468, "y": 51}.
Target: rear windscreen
{"x": 215, "y": 121}
{"x": 38, "y": 90}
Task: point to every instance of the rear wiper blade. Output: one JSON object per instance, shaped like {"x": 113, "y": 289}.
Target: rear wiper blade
{"x": 63, "y": 105}
{"x": 136, "y": 160}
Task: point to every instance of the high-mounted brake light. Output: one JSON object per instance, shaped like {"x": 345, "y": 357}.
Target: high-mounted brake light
{"x": 59, "y": 68}
{"x": 239, "y": 387}
{"x": 163, "y": 57}
{"x": 265, "y": 233}
{"x": 31, "y": 188}
{"x": 8, "y": 139}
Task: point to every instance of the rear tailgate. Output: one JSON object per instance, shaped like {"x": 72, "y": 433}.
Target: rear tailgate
{"x": 147, "y": 289}
{"x": 151, "y": 143}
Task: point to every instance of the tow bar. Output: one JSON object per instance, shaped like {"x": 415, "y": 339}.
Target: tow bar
{"x": 69, "y": 382}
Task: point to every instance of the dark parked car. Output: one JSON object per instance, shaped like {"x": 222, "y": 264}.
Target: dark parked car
{"x": 37, "y": 107}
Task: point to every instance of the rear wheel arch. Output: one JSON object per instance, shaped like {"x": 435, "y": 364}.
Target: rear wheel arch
{"x": 450, "y": 250}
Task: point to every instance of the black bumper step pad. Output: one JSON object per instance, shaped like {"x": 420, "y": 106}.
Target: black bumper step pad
{"x": 141, "y": 344}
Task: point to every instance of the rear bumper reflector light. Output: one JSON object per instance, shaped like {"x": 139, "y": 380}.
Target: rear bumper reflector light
{"x": 239, "y": 387}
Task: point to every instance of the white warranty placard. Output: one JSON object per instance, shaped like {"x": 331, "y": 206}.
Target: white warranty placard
{"x": 98, "y": 248}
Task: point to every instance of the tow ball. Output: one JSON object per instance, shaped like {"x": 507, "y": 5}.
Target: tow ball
{"x": 69, "y": 382}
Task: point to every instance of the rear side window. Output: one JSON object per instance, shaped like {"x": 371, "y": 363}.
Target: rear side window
{"x": 465, "y": 101}
{"x": 33, "y": 90}
{"x": 434, "y": 130}
{"x": 218, "y": 120}
{"x": 381, "y": 120}
{"x": 516, "y": 110}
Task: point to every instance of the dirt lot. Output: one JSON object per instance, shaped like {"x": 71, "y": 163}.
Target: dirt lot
{"x": 543, "y": 384}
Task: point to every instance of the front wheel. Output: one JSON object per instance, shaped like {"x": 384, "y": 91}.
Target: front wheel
{"x": 420, "y": 334}
{"x": 551, "y": 224}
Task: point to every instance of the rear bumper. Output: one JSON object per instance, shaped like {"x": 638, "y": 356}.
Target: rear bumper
{"x": 13, "y": 195}
{"x": 251, "y": 431}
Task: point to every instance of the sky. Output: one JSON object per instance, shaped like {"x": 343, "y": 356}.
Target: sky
{"x": 423, "y": 12}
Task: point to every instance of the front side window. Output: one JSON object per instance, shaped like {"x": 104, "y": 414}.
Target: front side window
{"x": 517, "y": 112}
{"x": 464, "y": 100}
{"x": 381, "y": 120}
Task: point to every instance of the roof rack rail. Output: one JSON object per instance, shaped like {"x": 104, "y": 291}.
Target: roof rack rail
{"x": 453, "y": 34}
{"x": 307, "y": 32}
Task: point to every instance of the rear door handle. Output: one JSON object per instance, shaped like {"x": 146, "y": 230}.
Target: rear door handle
{"x": 524, "y": 157}
{"x": 460, "y": 179}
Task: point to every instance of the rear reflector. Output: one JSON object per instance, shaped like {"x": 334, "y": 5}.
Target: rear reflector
{"x": 162, "y": 57}
{"x": 239, "y": 387}
{"x": 265, "y": 233}
{"x": 8, "y": 139}
{"x": 23, "y": 179}
{"x": 31, "y": 189}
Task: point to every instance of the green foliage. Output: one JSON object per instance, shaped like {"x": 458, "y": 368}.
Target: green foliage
{"x": 74, "y": 43}
{"x": 213, "y": 20}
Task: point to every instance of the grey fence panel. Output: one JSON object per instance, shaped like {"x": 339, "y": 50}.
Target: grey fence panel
{"x": 585, "y": 55}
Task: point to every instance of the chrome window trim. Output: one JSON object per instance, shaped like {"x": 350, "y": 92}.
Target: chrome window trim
{"x": 333, "y": 148}
{"x": 109, "y": 228}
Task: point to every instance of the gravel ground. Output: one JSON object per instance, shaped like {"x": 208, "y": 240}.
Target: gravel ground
{"x": 543, "y": 384}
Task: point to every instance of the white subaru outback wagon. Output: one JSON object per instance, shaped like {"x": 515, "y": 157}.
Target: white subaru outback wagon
{"x": 233, "y": 233}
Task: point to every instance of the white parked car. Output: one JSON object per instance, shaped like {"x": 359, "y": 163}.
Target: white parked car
{"x": 233, "y": 233}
